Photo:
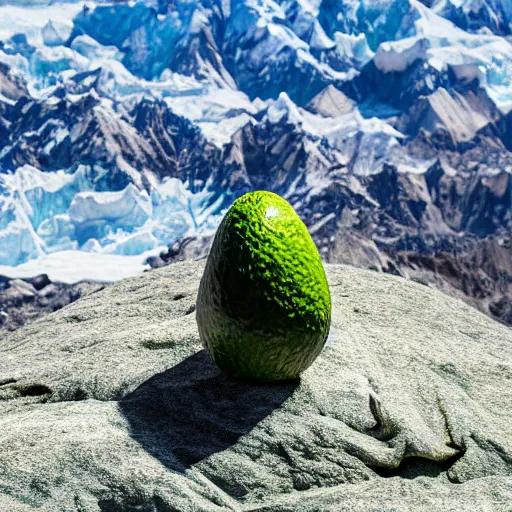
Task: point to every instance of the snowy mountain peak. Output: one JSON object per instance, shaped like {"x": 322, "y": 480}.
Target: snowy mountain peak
{"x": 128, "y": 126}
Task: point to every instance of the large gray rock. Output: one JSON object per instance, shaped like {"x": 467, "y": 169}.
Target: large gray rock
{"x": 110, "y": 404}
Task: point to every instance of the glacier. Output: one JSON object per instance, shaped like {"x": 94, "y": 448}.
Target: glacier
{"x": 128, "y": 126}
{"x": 46, "y": 213}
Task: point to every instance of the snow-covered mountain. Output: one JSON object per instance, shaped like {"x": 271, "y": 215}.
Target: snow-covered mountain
{"x": 129, "y": 127}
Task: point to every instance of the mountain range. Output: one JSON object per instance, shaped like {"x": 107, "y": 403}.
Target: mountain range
{"x": 128, "y": 128}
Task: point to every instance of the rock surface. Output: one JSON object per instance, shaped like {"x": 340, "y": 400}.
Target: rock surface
{"x": 110, "y": 404}
{"x": 24, "y": 300}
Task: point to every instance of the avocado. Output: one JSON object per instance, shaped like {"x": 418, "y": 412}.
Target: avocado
{"x": 263, "y": 307}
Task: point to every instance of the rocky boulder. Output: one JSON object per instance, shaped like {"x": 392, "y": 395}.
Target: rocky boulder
{"x": 111, "y": 404}
{"x": 24, "y": 300}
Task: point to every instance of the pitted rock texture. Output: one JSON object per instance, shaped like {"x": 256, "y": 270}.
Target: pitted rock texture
{"x": 111, "y": 404}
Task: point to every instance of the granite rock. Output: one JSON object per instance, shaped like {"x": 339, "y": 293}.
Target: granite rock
{"x": 111, "y": 404}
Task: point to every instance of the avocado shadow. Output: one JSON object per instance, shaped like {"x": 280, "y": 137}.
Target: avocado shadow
{"x": 191, "y": 411}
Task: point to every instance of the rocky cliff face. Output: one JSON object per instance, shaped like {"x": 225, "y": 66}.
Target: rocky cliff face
{"x": 111, "y": 404}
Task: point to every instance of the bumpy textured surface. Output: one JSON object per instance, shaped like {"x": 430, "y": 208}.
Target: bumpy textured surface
{"x": 110, "y": 404}
{"x": 263, "y": 308}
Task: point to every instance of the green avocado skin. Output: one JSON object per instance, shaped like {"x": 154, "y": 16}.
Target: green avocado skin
{"x": 263, "y": 308}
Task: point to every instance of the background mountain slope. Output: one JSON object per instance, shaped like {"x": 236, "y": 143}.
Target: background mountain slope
{"x": 129, "y": 127}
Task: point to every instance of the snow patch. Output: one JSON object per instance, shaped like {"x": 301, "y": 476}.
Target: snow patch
{"x": 74, "y": 266}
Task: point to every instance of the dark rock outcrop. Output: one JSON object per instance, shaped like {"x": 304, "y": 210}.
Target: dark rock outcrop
{"x": 23, "y": 301}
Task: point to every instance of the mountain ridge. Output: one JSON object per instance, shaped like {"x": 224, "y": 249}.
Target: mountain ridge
{"x": 386, "y": 125}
